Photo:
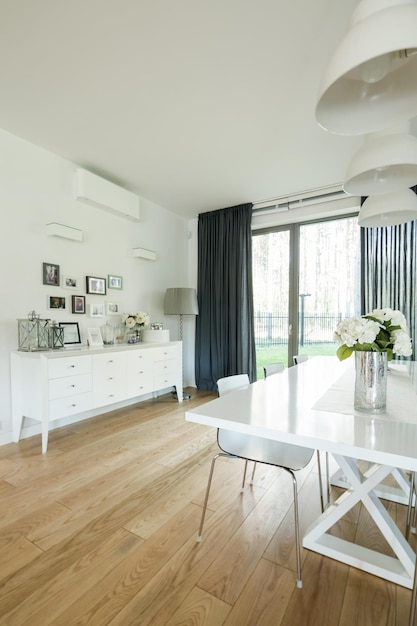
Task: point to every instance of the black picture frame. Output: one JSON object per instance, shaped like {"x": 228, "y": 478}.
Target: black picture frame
{"x": 71, "y": 332}
{"x": 78, "y": 305}
{"x": 50, "y": 274}
{"x": 95, "y": 285}
{"x": 56, "y": 302}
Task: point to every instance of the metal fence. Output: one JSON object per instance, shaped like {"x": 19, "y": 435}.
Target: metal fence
{"x": 272, "y": 328}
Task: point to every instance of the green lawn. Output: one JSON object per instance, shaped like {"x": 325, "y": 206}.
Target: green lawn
{"x": 277, "y": 354}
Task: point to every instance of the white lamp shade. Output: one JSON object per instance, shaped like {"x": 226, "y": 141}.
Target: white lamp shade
{"x": 181, "y": 301}
{"x": 382, "y": 165}
{"x": 350, "y": 103}
{"x": 388, "y": 209}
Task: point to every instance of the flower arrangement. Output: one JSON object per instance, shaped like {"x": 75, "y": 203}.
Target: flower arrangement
{"x": 135, "y": 320}
{"x": 382, "y": 330}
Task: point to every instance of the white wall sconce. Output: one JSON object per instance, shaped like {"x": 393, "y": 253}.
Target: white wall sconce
{"x": 142, "y": 253}
{"x": 370, "y": 82}
{"x": 66, "y": 232}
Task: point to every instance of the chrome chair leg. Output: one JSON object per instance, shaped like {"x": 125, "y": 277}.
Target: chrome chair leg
{"x": 203, "y": 514}
{"x": 242, "y": 489}
{"x": 410, "y": 505}
{"x": 297, "y": 529}
{"x": 413, "y": 599}
{"x": 253, "y": 474}
{"x": 320, "y": 481}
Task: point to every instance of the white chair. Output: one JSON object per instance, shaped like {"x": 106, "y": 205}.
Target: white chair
{"x": 260, "y": 450}
{"x": 297, "y": 359}
{"x": 273, "y": 368}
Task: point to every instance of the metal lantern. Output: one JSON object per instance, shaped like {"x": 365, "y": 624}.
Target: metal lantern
{"x": 56, "y": 336}
{"x": 33, "y": 333}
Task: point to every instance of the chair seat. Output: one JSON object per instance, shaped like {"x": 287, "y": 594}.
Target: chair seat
{"x": 264, "y": 450}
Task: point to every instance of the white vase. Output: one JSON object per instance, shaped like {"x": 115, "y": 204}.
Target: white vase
{"x": 370, "y": 381}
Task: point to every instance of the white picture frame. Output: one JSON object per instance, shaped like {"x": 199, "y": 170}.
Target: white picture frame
{"x": 113, "y": 308}
{"x": 71, "y": 282}
{"x": 96, "y": 309}
{"x": 94, "y": 337}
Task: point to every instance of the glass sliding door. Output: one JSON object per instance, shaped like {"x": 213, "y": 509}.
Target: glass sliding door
{"x": 305, "y": 278}
{"x": 329, "y": 281}
{"x": 271, "y": 286}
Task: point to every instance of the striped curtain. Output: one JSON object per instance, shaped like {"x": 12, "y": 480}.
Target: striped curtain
{"x": 389, "y": 276}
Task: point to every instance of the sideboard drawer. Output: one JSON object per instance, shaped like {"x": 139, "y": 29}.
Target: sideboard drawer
{"x": 68, "y": 366}
{"x": 69, "y": 386}
{"x": 62, "y": 407}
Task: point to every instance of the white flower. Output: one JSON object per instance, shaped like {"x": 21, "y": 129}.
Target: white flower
{"x": 131, "y": 320}
{"x": 402, "y": 343}
{"x": 382, "y": 330}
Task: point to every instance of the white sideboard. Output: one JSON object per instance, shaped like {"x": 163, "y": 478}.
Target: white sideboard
{"x": 47, "y": 386}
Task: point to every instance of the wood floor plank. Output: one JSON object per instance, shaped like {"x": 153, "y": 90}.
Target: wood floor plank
{"x": 265, "y": 597}
{"x": 101, "y": 530}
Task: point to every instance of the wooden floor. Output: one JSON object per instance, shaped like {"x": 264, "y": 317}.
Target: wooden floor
{"x": 102, "y": 530}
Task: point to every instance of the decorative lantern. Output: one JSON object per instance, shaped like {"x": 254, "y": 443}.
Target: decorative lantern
{"x": 33, "y": 333}
{"x": 56, "y": 336}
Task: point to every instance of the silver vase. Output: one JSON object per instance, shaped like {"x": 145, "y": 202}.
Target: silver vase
{"x": 370, "y": 381}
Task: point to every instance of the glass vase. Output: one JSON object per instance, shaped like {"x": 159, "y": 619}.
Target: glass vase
{"x": 370, "y": 381}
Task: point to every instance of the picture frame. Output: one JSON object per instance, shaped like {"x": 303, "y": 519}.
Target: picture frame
{"x": 78, "y": 304}
{"x": 71, "y": 282}
{"x": 114, "y": 282}
{"x": 56, "y": 302}
{"x": 50, "y": 274}
{"x": 113, "y": 308}
{"x": 95, "y": 285}
{"x": 94, "y": 337}
{"x": 96, "y": 309}
{"x": 71, "y": 332}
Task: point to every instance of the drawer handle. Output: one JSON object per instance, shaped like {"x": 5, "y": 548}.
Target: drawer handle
{"x": 73, "y": 405}
{"x": 111, "y": 395}
{"x": 73, "y": 386}
{"x": 141, "y": 372}
{"x": 72, "y": 365}
{"x": 110, "y": 378}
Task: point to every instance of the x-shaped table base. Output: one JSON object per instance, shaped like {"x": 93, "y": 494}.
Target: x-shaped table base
{"x": 362, "y": 488}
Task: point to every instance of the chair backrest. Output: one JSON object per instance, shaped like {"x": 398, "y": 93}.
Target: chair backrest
{"x": 273, "y": 368}
{"x": 229, "y": 383}
{"x": 299, "y": 358}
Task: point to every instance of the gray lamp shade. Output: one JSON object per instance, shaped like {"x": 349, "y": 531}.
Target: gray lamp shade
{"x": 181, "y": 301}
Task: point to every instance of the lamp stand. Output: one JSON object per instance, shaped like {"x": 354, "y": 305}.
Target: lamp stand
{"x": 185, "y": 396}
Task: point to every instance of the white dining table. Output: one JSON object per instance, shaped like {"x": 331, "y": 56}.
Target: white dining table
{"x": 311, "y": 405}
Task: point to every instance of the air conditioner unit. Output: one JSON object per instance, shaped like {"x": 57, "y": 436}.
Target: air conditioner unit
{"x": 103, "y": 194}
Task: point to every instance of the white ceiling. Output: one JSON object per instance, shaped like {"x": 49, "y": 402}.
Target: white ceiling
{"x": 194, "y": 104}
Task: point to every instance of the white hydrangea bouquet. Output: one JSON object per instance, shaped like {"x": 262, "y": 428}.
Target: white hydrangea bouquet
{"x": 382, "y": 330}
{"x": 133, "y": 321}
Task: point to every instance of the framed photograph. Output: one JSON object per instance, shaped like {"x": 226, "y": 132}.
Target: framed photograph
{"x": 96, "y": 310}
{"x": 114, "y": 282}
{"x": 50, "y": 274}
{"x": 95, "y": 285}
{"x": 113, "y": 308}
{"x": 56, "y": 302}
{"x": 70, "y": 282}
{"x": 71, "y": 332}
{"x": 94, "y": 337}
{"x": 78, "y": 304}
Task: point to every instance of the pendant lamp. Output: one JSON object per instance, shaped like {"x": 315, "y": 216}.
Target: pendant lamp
{"x": 388, "y": 209}
{"x": 385, "y": 163}
{"x": 370, "y": 82}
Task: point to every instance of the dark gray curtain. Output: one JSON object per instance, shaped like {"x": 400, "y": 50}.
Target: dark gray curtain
{"x": 225, "y": 341}
{"x": 389, "y": 265}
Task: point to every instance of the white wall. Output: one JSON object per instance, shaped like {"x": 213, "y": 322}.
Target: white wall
{"x": 37, "y": 187}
